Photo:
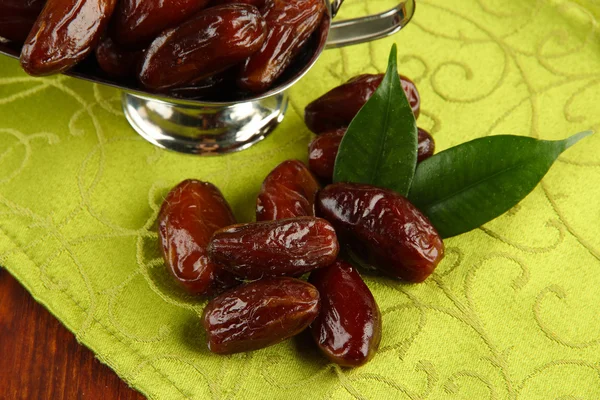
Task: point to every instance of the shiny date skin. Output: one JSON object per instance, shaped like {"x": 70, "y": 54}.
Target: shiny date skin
{"x": 260, "y": 4}
{"x": 259, "y": 314}
{"x": 336, "y": 108}
{"x": 190, "y": 214}
{"x": 214, "y": 40}
{"x": 323, "y": 150}
{"x": 290, "y": 24}
{"x": 275, "y": 248}
{"x": 137, "y": 22}
{"x": 117, "y": 61}
{"x": 17, "y": 17}
{"x": 288, "y": 191}
{"x": 348, "y": 327}
{"x": 65, "y": 32}
{"x": 426, "y": 146}
{"x": 399, "y": 239}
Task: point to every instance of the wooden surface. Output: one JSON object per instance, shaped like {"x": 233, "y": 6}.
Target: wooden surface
{"x": 40, "y": 359}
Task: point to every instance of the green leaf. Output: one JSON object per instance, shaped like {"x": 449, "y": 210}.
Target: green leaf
{"x": 468, "y": 185}
{"x": 380, "y": 145}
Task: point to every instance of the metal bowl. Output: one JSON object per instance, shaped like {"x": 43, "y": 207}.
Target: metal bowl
{"x": 235, "y": 123}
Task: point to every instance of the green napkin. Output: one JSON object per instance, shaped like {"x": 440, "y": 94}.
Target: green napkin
{"x": 511, "y": 313}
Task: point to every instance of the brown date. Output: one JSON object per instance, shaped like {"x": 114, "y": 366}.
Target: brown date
{"x": 290, "y": 24}
{"x": 259, "y": 314}
{"x": 260, "y": 4}
{"x": 275, "y": 248}
{"x": 17, "y": 17}
{"x": 117, "y": 61}
{"x": 64, "y": 33}
{"x": 137, "y": 22}
{"x": 426, "y": 145}
{"x": 323, "y": 150}
{"x": 348, "y": 327}
{"x": 214, "y": 40}
{"x": 288, "y": 191}
{"x": 336, "y": 108}
{"x": 400, "y": 240}
{"x": 190, "y": 214}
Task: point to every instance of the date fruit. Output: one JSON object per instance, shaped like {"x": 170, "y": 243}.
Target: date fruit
{"x": 426, "y": 145}
{"x": 190, "y": 214}
{"x": 290, "y": 24}
{"x": 275, "y": 248}
{"x": 214, "y": 40}
{"x": 256, "y": 3}
{"x": 17, "y": 17}
{"x": 400, "y": 240}
{"x": 117, "y": 61}
{"x": 137, "y": 22}
{"x": 65, "y": 32}
{"x": 336, "y": 108}
{"x": 288, "y": 191}
{"x": 323, "y": 150}
{"x": 259, "y": 314}
{"x": 348, "y": 327}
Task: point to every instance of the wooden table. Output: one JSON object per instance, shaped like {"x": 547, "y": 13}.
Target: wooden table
{"x": 40, "y": 359}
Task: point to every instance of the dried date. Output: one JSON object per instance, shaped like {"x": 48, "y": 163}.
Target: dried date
{"x": 275, "y": 248}
{"x": 336, "y": 108}
{"x": 323, "y": 150}
{"x": 259, "y": 314}
{"x": 64, "y": 33}
{"x": 212, "y": 41}
{"x": 117, "y": 61}
{"x": 426, "y": 145}
{"x": 17, "y": 17}
{"x": 399, "y": 238}
{"x": 137, "y": 22}
{"x": 288, "y": 191}
{"x": 348, "y": 327}
{"x": 290, "y": 24}
{"x": 190, "y": 214}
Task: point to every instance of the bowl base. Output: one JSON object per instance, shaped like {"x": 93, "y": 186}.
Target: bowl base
{"x": 205, "y": 130}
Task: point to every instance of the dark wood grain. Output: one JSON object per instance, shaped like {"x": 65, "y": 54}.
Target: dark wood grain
{"x": 40, "y": 359}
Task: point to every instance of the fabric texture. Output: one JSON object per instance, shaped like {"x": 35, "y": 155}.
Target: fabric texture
{"x": 512, "y": 311}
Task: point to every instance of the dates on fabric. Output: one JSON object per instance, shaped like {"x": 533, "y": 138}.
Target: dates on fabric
{"x": 323, "y": 150}
{"x": 290, "y": 24}
{"x": 288, "y": 191}
{"x": 64, "y": 33}
{"x": 212, "y": 41}
{"x": 116, "y": 61}
{"x": 426, "y": 145}
{"x": 400, "y": 240}
{"x": 137, "y": 22}
{"x": 348, "y": 327}
{"x": 275, "y": 248}
{"x": 17, "y": 17}
{"x": 259, "y": 314}
{"x": 190, "y": 214}
{"x": 336, "y": 108}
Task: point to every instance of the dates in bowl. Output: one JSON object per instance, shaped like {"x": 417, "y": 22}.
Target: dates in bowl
{"x": 213, "y": 50}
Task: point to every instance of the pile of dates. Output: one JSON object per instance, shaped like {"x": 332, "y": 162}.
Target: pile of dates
{"x": 189, "y": 47}
{"x": 255, "y": 269}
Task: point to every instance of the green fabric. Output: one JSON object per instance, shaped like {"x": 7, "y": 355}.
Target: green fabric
{"x": 512, "y": 312}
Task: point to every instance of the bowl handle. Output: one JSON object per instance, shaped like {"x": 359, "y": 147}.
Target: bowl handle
{"x": 365, "y": 29}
